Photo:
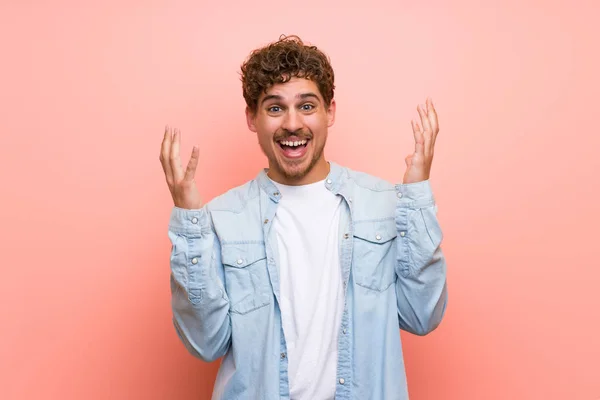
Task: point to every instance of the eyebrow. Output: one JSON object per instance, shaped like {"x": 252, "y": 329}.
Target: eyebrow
{"x": 301, "y": 96}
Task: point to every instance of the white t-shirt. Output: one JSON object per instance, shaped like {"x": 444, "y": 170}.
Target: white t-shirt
{"x": 312, "y": 298}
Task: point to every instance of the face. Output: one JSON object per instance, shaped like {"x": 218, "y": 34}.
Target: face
{"x": 291, "y": 122}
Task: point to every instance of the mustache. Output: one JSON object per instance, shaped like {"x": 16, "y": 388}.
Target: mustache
{"x": 284, "y": 134}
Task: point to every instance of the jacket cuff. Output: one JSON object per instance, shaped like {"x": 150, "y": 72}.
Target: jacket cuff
{"x": 189, "y": 222}
{"x": 415, "y": 194}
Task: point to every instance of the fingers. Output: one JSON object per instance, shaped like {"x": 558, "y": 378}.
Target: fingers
{"x": 171, "y": 160}
{"x": 174, "y": 159}
{"x": 419, "y": 138}
{"x": 427, "y": 133}
{"x": 192, "y": 164}
{"x": 165, "y": 151}
{"x": 433, "y": 119}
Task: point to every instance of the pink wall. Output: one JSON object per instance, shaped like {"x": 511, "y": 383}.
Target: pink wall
{"x": 87, "y": 89}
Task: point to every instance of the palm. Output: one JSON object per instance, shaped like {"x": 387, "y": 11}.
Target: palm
{"x": 416, "y": 169}
{"x": 418, "y": 164}
{"x": 182, "y": 184}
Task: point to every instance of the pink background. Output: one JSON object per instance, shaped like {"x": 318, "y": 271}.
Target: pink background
{"x": 86, "y": 89}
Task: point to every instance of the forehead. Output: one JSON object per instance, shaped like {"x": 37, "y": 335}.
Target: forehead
{"x": 292, "y": 89}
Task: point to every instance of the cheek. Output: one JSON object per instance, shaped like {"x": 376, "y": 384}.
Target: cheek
{"x": 266, "y": 128}
{"x": 265, "y": 139}
{"x": 318, "y": 126}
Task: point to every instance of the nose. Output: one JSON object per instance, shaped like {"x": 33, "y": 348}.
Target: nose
{"x": 292, "y": 121}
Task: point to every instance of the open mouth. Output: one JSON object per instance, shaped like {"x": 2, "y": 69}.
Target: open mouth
{"x": 293, "y": 148}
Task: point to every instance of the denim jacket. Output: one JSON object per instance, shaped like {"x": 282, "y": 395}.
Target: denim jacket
{"x": 225, "y": 284}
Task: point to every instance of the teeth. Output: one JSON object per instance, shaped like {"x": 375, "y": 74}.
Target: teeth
{"x": 295, "y": 143}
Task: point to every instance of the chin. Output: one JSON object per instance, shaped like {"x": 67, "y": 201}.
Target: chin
{"x": 300, "y": 170}
{"x": 294, "y": 172}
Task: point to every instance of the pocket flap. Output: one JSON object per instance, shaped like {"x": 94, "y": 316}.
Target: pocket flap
{"x": 242, "y": 255}
{"x": 376, "y": 231}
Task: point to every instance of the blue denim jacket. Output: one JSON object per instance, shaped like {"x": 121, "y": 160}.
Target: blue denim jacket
{"x": 225, "y": 284}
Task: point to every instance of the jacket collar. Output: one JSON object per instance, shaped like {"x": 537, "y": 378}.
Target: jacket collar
{"x": 333, "y": 181}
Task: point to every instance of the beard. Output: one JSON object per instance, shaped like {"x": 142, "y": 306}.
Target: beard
{"x": 292, "y": 170}
{"x": 297, "y": 173}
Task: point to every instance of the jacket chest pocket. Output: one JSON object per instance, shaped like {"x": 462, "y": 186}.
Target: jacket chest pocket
{"x": 246, "y": 276}
{"x": 374, "y": 254}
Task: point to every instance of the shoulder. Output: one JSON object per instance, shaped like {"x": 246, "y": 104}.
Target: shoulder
{"x": 374, "y": 198}
{"x": 235, "y": 214}
{"x": 235, "y": 199}
{"x": 366, "y": 181}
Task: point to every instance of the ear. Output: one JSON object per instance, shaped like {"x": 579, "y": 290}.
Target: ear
{"x": 250, "y": 117}
{"x": 331, "y": 113}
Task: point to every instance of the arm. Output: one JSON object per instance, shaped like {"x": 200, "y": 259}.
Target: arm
{"x": 421, "y": 290}
{"x": 198, "y": 297}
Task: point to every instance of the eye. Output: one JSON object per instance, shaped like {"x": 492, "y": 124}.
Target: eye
{"x": 274, "y": 109}
{"x": 307, "y": 107}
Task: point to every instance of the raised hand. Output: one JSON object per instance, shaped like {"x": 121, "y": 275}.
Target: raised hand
{"x": 181, "y": 183}
{"x": 418, "y": 164}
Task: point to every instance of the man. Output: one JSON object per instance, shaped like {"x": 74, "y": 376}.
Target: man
{"x": 302, "y": 277}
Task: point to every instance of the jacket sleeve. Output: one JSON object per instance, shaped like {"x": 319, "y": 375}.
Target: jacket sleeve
{"x": 421, "y": 289}
{"x": 198, "y": 298}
